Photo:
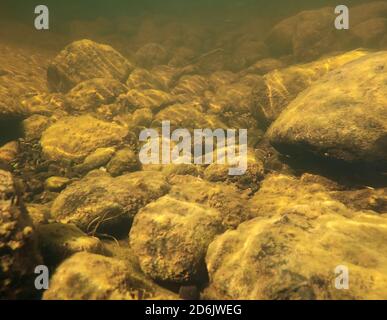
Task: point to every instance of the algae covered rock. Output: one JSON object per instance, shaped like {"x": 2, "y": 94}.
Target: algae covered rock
{"x": 342, "y": 116}
{"x": 99, "y": 158}
{"x": 170, "y": 238}
{"x": 9, "y": 152}
{"x": 363, "y": 199}
{"x": 234, "y": 103}
{"x": 85, "y": 60}
{"x": 187, "y": 115}
{"x": 56, "y": 184}
{"x": 231, "y": 202}
{"x": 18, "y": 246}
{"x": 149, "y": 98}
{"x": 88, "y": 276}
{"x": 74, "y": 138}
{"x": 295, "y": 256}
{"x": 90, "y": 94}
{"x": 34, "y": 126}
{"x": 191, "y": 86}
{"x": 249, "y": 179}
{"x": 125, "y": 160}
{"x": 370, "y": 33}
{"x": 101, "y": 204}
{"x": 46, "y": 104}
{"x": 59, "y": 241}
{"x": 281, "y": 193}
{"x": 264, "y": 66}
{"x": 142, "y": 79}
{"x": 281, "y": 86}
{"x": 39, "y": 213}
{"x": 307, "y": 35}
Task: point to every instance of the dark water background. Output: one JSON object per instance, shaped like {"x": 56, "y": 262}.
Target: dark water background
{"x": 86, "y": 9}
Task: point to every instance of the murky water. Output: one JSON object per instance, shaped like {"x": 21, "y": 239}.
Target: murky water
{"x": 193, "y": 149}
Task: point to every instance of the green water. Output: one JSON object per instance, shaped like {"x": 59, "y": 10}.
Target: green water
{"x": 86, "y": 9}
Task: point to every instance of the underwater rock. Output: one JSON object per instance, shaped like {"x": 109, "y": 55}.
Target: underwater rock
{"x": 170, "y": 239}
{"x": 370, "y": 33}
{"x": 368, "y": 11}
{"x": 46, "y": 104}
{"x": 9, "y": 152}
{"x": 56, "y": 184}
{"x": 124, "y": 161}
{"x": 342, "y": 116}
{"x": 90, "y": 94}
{"x": 59, "y": 241}
{"x": 222, "y": 78}
{"x": 182, "y": 57}
{"x": 280, "y": 194}
{"x": 148, "y": 98}
{"x": 167, "y": 76}
{"x": 85, "y": 60}
{"x": 250, "y": 179}
{"x": 181, "y": 169}
{"x": 11, "y": 110}
{"x": 74, "y": 138}
{"x": 99, "y": 158}
{"x": 363, "y": 199}
{"x": 246, "y": 53}
{"x": 264, "y": 66}
{"x": 142, "y": 118}
{"x": 21, "y": 75}
{"x": 150, "y": 55}
{"x": 34, "y": 126}
{"x": 88, "y": 276}
{"x": 101, "y": 204}
{"x": 233, "y": 103}
{"x": 187, "y": 115}
{"x": 39, "y": 213}
{"x": 18, "y": 247}
{"x": 307, "y": 35}
{"x": 281, "y": 86}
{"x": 191, "y": 86}
{"x": 142, "y": 79}
{"x": 294, "y": 248}
{"x": 227, "y": 199}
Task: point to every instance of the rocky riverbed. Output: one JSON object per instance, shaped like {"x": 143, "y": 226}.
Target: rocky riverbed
{"x": 74, "y": 195}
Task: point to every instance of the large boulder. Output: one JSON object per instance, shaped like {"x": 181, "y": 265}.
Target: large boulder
{"x": 291, "y": 251}
{"x": 74, "y": 138}
{"x": 343, "y": 116}
{"x": 307, "y": 34}
{"x": 18, "y": 246}
{"x": 281, "y": 86}
{"x": 88, "y": 276}
{"x": 85, "y": 60}
{"x": 370, "y": 33}
{"x": 170, "y": 239}
{"x": 101, "y": 204}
